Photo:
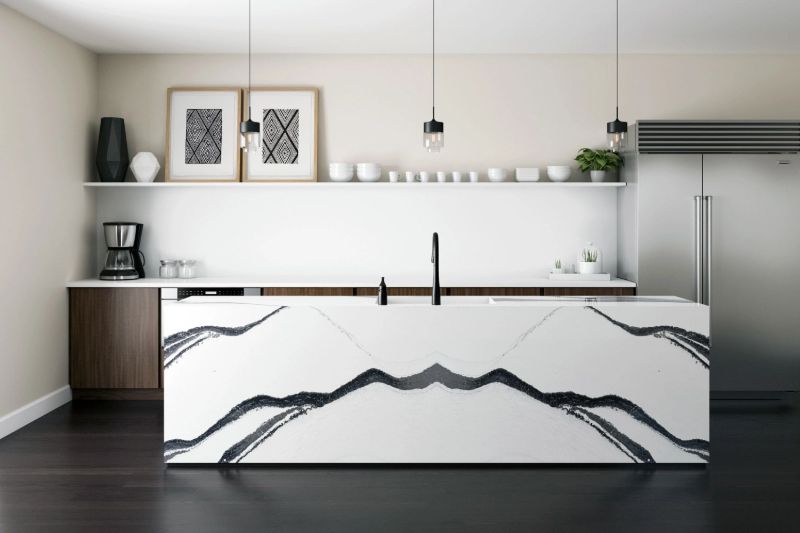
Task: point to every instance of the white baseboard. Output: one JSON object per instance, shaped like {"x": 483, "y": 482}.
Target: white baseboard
{"x": 37, "y": 408}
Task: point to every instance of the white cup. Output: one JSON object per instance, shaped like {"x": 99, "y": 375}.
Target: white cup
{"x": 424, "y": 176}
{"x": 409, "y": 176}
{"x": 441, "y": 176}
{"x": 456, "y": 176}
{"x": 393, "y": 176}
{"x": 473, "y": 176}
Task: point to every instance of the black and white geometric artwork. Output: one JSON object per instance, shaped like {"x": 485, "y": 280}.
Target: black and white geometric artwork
{"x": 281, "y": 136}
{"x": 203, "y": 137}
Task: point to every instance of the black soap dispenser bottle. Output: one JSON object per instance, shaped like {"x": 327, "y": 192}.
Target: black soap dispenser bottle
{"x": 382, "y": 298}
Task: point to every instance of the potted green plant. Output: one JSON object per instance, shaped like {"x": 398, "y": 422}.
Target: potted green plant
{"x": 589, "y": 260}
{"x": 598, "y": 162}
{"x": 557, "y": 267}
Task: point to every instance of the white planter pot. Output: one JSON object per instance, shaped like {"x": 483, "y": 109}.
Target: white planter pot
{"x": 588, "y": 268}
{"x": 557, "y": 271}
{"x": 597, "y": 175}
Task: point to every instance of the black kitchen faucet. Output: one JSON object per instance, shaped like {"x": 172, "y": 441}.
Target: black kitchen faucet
{"x": 436, "y": 291}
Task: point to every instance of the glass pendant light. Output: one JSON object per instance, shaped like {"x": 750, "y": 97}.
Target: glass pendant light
{"x": 250, "y": 129}
{"x": 433, "y": 130}
{"x": 617, "y": 130}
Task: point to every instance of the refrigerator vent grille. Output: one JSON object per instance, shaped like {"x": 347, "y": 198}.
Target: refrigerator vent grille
{"x": 718, "y": 137}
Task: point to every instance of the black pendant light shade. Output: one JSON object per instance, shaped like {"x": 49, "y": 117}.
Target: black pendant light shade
{"x": 250, "y": 129}
{"x": 617, "y": 130}
{"x": 433, "y": 135}
{"x": 433, "y": 130}
{"x": 112, "y": 150}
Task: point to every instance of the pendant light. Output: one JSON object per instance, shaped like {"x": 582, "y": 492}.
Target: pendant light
{"x": 617, "y": 130}
{"x": 433, "y": 130}
{"x": 250, "y": 129}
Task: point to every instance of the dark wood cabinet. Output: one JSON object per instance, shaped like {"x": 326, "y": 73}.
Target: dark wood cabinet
{"x": 395, "y": 291}
{"x": 589, "y": 291}
{"x": 450, "y": 291}
{"x": 114, "y": 340}
{"x": 307, "y": 291}
{"x": 494, "y": 291}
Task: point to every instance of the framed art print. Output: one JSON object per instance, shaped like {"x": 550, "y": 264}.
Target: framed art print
{"x": 288, "y": 118}
{"x": 203, "y": 134}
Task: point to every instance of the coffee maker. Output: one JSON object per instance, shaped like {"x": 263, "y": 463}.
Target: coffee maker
{"x": 124, "y": 261}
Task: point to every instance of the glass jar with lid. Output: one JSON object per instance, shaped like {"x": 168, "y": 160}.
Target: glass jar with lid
{"x": 168, "y": 269}
{"x": 186, "y": 268}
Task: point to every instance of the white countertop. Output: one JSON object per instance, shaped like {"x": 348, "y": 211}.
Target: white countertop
{"x": 447, "y": 301}
{"x": 391, "y": 281}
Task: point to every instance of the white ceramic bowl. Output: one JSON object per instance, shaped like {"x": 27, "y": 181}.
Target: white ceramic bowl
{"x": 497, "y": 174}
{"x": 340, "y": 171}
{"x": 558, "y": 172}
{"x": 368, "y": 171}
{"x": 527, "y": 174}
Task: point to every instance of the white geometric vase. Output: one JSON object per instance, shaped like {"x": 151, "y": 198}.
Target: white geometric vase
{"x": 144, "y": 166}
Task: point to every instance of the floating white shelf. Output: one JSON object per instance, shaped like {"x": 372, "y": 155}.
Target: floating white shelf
{"x": 353, "y": 184}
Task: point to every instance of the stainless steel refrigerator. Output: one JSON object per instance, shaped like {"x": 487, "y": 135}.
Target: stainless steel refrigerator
{"x": 712, "y": 214}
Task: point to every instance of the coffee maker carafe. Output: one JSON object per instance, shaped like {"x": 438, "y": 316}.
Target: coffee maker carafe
{"x": 124, "y": 261}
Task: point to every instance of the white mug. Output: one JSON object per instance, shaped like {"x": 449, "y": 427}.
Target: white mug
{"x": 441, "y": 177}
{"x": 409, "y": 176}
{"x": 456, "y": 176}
{"x": 393, "y": 176}
{"x": 424, "y": 176}
{"x": 473, "y": 176}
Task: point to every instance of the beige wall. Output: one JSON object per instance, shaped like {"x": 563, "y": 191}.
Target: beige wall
{"x": 498, "y": 110}
{"x": 49, "y": 96}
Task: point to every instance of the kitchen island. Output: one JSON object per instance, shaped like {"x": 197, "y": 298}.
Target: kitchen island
{"x": 475, "y": 380}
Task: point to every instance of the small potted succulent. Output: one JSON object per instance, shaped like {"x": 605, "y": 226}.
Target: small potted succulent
{"x": 589, "y": 260}
{"x": 598, "y": 162}
{"x": 557, "y": 267}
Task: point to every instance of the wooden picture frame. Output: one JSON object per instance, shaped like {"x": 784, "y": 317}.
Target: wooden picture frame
{"x": 288, "y": 139}
{"x": 206, "y": 140}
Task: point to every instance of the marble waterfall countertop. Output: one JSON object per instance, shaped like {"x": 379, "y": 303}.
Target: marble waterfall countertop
{"x": 333, "y": 281}
{"x": 475, "y": 380}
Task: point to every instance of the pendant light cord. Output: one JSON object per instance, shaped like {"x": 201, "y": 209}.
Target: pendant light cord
{"x": 433, "y": 58}
{"x": 617, "y": 60}
{"x": 249, "y": 53}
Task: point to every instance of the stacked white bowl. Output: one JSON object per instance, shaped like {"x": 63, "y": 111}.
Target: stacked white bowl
{"x": 497, "y": 174}
{"x": 558, "y": 172}
{"x": 340, "y": 171}
{"x": 368, "y": 171}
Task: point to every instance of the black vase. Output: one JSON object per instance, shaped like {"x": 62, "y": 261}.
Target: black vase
{"x": 112, "y": 150}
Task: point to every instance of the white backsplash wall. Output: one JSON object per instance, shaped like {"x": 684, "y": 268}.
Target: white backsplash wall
{"x": 354, "y": 232}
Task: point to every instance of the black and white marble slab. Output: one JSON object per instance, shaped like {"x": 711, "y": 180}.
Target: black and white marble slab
{"x": 309, "y": 380}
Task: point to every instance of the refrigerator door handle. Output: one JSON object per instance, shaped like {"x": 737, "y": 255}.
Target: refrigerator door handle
{"x": 709, "y": 219}
{"x": 698, "y": 249}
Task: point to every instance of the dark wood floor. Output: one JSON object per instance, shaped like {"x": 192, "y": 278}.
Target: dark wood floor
{"x": 96, "y": 466}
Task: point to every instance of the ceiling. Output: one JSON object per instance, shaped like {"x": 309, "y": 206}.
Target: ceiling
{"x": 403, "y": 26}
